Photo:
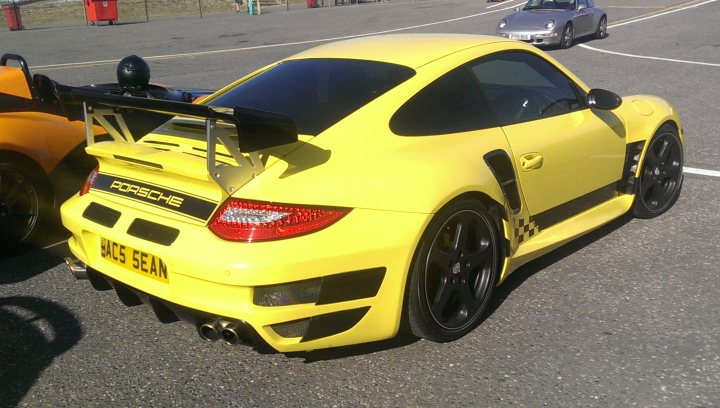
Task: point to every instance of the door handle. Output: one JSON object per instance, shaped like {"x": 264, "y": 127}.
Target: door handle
{"x": 531, "y": 161}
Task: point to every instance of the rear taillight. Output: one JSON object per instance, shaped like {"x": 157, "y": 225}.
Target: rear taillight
{"x": 251, "y": 221}
{"x": 89, "y": 181}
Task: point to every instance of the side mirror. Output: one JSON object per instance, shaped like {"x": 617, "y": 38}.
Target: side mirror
{"x": 602, "y": 99}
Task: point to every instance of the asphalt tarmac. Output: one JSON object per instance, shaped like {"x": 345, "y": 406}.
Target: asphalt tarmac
{"x": 625, "y": 316}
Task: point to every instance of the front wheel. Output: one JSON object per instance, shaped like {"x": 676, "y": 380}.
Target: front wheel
{"x": 568, "y": 35}
{"x": 661, "y": 175}
{"x": 601, "y": 31}
{"x": 454, "y": 272}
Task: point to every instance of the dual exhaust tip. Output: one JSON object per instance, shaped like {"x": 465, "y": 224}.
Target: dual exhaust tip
{"x": 233, "y": 333}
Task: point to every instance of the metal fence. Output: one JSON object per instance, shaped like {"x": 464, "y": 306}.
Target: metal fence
{"x": 34, "y": 14}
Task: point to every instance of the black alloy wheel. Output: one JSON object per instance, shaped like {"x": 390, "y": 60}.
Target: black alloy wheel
{"x": 568, "y": 35}
{"x": 661, "y": 175}
{"x": 454, "y": 272}
{"x": 24, "y": 200}
{"x": 601, "y": 31}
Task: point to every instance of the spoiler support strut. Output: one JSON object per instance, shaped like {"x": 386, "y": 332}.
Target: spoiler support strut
{"x": 267, "y": 130}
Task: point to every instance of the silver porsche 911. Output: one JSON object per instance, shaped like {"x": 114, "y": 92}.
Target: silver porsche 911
{"x": 554, "y": 22}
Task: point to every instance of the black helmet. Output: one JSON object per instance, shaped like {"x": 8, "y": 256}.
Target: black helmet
{"x": 133, "y": 73}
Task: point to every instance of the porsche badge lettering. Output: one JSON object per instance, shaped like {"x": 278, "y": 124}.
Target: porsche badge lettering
{"x": 169, "y": 199}
{"x": 144, "y": 192}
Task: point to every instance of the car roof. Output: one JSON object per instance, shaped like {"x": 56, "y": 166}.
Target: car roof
{"x": 412, "y": 50}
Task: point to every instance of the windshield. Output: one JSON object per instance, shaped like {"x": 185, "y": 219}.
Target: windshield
{"x": 550, "y": 5}
{"x": 315, "y": 93}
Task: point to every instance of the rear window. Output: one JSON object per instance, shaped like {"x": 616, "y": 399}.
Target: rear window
{"x": 316, "y": 93}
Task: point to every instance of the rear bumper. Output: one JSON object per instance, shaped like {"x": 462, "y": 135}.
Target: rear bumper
{"x": 339, "y": 286}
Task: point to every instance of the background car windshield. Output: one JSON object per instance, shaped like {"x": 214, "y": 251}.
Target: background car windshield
{"x": 550, "y": 5}
{"x": 316, "y": 93}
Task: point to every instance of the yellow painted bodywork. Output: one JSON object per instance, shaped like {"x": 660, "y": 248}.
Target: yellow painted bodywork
{"x": 393, "y": 184}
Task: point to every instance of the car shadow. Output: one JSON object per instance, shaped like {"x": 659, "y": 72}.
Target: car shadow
{"x": 526, "y": 271}
{"x": 401, "y": 340}
{"x": 33, "y": 333}
{"x": 22, "y": 262}
{"x": 576, "y": 42}
{"x": 502, "y": 292}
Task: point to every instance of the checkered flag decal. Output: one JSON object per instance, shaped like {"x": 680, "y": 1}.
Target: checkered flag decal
{"x": 526, "y": 229}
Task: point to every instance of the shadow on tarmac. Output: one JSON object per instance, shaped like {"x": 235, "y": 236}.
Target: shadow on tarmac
{"x": 20, "y": 263}
{"x": 522, "y": 274}
{"x": 33, "y": 332}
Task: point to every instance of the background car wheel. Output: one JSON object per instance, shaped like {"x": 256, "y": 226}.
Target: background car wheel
{"x": 601, "y": 31}
{"x": 454, "y": 272}
{"x": 661, "y": 175}
{"x": 25, "y": 200}
{"x": 568, "y": 35}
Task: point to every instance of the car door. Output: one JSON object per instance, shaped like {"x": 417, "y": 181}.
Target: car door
{"x": 583, "y": 18}
{"x": 567, "y": 157}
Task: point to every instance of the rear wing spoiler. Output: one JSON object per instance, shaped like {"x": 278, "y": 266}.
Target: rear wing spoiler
{"x": 256, "y": 130}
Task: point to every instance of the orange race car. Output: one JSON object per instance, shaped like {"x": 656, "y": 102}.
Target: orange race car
{"x": 42, "y": 152}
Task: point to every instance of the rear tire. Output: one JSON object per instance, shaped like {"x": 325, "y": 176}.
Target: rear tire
{"x": 454, "y": 272}
{"x": 661, "y": 174}
{"x": 26, "y": 200}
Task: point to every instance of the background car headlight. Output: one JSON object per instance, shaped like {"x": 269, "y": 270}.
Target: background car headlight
{"x": 550, "y": 24}
{"x": 502, "y": 23}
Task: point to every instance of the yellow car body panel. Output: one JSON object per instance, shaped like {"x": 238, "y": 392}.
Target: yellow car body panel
{"x": 394, "y": 186}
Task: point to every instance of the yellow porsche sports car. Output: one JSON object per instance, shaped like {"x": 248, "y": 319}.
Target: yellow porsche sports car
{"x": 324, "y": 199}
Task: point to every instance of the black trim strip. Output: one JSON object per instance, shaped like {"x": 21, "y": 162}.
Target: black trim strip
{"x": 172, "y": 200}
{"x": 333, "y": 323}
{"x": 137, "y": 161}
{"x": 150, "y": 231}
{"x": 350, "y": 286}
{"x": 107, "y": 217}
{"x": 574, "y": 207}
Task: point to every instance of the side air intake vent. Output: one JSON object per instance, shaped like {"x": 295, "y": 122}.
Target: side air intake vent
{"x": 501, "y": 166}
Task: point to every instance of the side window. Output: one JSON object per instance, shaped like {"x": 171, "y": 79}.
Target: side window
{"x": 521, "y": 87}
{"x": 590, "y": 3}
{"x": 583, "y": 4}
{"x": 451, "y": 104}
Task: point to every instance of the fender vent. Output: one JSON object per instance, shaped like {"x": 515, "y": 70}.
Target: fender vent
{"x": 501, "y": 166}
{"x": 626, "y": 185}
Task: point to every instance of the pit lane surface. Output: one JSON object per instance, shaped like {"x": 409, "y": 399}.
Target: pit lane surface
{"x": 626, "y": 316}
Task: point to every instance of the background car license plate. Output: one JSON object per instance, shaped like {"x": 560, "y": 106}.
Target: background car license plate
{"x": 134, "y": 260}
{"x": 520, "y": 36}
